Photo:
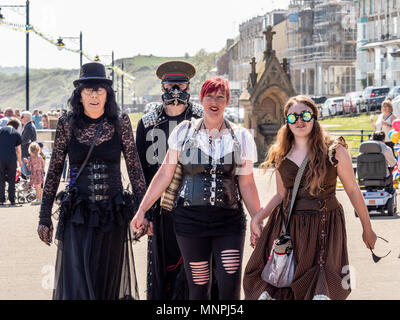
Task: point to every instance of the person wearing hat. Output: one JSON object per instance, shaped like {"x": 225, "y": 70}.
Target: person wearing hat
{"x": 165, "y": 275}
{"x": 94, "y": 255}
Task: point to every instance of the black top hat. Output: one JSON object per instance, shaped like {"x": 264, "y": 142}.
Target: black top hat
{"x": 92, "y": 72}
{"x": 175, "y": 71}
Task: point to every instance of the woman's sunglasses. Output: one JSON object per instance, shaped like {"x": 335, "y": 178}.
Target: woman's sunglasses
{"x": 377, "y": 258}
{"x": 306, "y": 116}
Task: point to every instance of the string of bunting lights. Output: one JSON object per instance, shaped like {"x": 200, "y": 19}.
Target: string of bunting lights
{"x": 25, "y": 29}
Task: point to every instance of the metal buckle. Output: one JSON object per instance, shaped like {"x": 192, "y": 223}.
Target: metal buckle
{"x": 99, "y": 197}
{"x": 96, "y": 176}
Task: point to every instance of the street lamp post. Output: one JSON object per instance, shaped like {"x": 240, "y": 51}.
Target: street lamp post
{"x": 27, "y": 28}
{"x": 27, "y": 56}
{"x": 122, "y": 87}
{"x": 112, "y": 64}
{"x": 61, "y": 45}
{"x": 98, "y": 59}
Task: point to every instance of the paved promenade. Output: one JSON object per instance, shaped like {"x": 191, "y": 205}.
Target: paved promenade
{"x": 26, "y": 263}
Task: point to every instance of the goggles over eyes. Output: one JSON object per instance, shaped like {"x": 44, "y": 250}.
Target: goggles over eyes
{"x": 306, "y": 116}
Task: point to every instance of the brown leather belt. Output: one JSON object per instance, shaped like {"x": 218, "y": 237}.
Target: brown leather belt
{"x": 320, "y": 205}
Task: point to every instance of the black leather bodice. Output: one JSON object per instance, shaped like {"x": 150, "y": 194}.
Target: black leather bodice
{"x": 208, "y": 182}
{"x": 99, "y": 181}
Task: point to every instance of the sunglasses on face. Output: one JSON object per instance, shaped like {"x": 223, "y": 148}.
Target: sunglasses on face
{"x": 306, "y": 116}
{"x": 377, "y": 258}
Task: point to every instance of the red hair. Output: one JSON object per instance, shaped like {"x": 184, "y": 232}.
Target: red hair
{"x": 215, "y": 85}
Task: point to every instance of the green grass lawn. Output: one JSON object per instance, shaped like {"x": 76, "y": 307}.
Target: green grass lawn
{"x": 361, "y": 122}
{"x": 135, "y": 117}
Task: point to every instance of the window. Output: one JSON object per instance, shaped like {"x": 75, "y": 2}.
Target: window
{"x": 364, "y": 31}
{"x": 394, "y": 32}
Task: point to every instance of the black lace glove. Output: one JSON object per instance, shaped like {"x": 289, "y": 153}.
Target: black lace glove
{"x": 45, "y": 233}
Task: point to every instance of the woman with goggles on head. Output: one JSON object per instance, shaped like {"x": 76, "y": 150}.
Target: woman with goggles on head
{"x": 317, "y": 226}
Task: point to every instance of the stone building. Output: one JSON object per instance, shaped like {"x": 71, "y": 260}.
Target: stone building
{"x": 268, "y": 89}
{"x": 378, "y": 43}
{"x": 234, "y": 63}
{"x": 321, "y": 46}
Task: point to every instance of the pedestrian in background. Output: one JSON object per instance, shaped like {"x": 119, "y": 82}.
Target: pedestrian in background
{"x": 36, "y": 164}
{"x": 37, "y": 119}
{"x": 45, "y": 121}
{"x": 385, "y": 120}
{"x": 28, "y": 136}
{"x": 10, "y": 158}
{"x": 8, "y": 113}
{"x": 17, "y": 114}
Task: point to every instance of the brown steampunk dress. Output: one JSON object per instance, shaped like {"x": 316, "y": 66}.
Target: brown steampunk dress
{"x": 317, "y": 228}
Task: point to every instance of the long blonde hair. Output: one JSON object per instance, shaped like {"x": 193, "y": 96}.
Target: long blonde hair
{"x": 318, "y": 143}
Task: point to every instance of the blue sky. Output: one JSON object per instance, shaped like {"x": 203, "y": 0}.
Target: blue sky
{"x": 162, "y": 28}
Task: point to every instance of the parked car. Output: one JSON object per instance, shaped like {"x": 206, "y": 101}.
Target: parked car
{"x": 396, "y": 106}
{"x": 373, "y": 98}
{"x": 394, "y": 92}
{"x": 319, "y": 101}
{"x": 332, "y": 107}
{"x": 351, "y": 103}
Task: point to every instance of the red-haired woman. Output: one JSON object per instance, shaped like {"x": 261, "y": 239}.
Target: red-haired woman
{"x": 317, "y": 225}
{"x": 217, "y": 160}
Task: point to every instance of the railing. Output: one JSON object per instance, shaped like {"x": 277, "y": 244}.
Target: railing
{"x": 355, "y": 137}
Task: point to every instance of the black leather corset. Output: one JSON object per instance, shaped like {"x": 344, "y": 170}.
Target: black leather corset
{"x": 99, "y": 181}
{"x": 206, "y": 182}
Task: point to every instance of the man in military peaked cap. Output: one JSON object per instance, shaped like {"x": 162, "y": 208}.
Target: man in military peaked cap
{"x": 165, "y": 273}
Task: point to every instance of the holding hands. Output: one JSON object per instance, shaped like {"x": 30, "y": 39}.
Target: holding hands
{"x": 140, "y": 225}
{"x": 256, "y": 228}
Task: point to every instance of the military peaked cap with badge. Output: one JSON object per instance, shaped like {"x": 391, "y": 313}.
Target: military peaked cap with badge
{"x": 175, "y": 71}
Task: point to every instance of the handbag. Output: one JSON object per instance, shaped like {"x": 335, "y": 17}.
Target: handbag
{"x": 169, "y": 195}
{"x": 281, "y": 265}
{"x": 65, "y": 197}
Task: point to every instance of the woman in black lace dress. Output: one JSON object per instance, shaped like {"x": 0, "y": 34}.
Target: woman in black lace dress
{"x": 94, "y": 255}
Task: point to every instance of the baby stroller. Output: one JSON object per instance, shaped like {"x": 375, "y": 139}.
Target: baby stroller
{"x": 24, "y": 192}
{"x": 375, "y": 182}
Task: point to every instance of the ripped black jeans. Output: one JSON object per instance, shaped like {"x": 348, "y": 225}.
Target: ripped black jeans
{"x": 226, "y": 252}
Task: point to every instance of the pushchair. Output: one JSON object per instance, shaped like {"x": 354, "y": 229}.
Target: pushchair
{"x": 24, "y": 192}
{"x": 375, "y": 179}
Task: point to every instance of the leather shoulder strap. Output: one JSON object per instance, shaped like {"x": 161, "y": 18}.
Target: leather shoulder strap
{"x": 99, "y": 128}
{"x": 294, "y": 193}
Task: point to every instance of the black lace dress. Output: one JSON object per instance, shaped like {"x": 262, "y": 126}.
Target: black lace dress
{"x": 94, "y": 255}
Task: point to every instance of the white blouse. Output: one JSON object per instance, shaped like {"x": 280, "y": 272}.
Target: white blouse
{"x": 222, "y": 145}
{"x": 381, "y": 127}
